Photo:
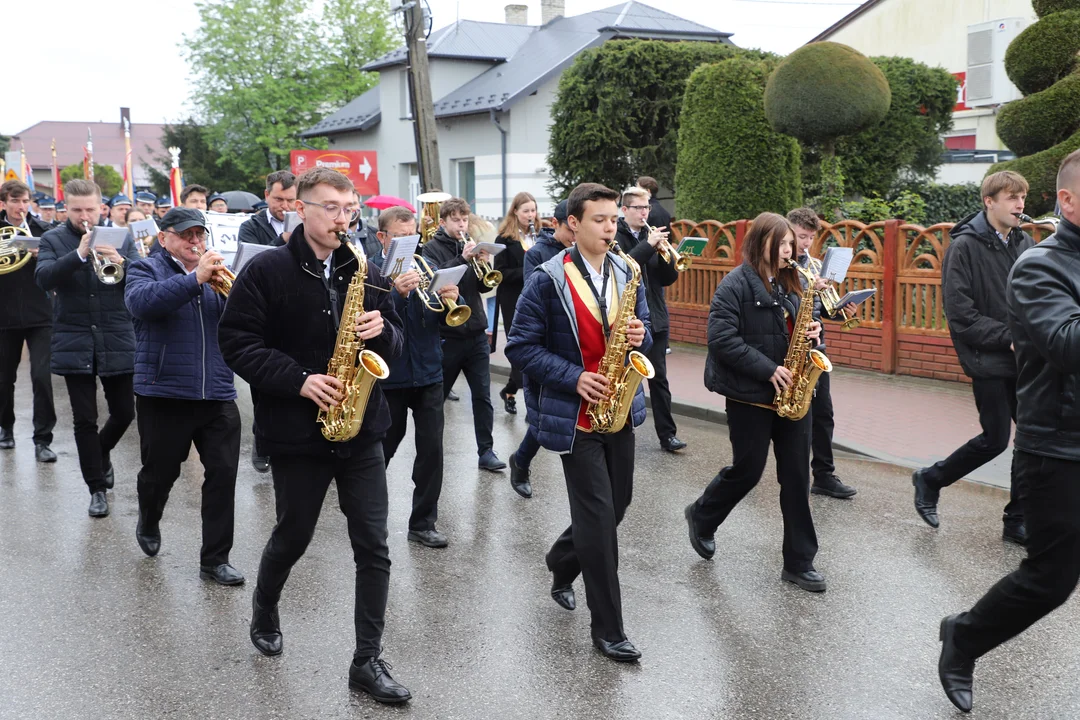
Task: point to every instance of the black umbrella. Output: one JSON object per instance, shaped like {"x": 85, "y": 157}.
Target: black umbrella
{"x": 240, "y": 200}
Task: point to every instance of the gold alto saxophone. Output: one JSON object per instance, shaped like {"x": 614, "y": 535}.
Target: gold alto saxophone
{"x": 804, "y": 362}
{"x": 623, "y": 366}
{"x": 354, "y": 366}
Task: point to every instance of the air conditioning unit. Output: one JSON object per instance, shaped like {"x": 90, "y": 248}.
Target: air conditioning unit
{"x": 987, "y": 83}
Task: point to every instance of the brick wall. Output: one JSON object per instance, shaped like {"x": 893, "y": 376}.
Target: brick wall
{"x": 689, "y": 325}
{"x": 858, "y": 348}
{"x": 928, "y": 356}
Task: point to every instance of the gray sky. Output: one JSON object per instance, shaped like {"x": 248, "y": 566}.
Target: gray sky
{"x": 140, "y": 42}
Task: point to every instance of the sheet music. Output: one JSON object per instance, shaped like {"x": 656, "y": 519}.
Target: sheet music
{"x": 142, "y": 229}
{"x": 490, "y": 248}
{"x": 292, "y": 221}
{"x": 448, "y": 276}
{"x": 399, "y": 256}
{"x": 114, "y": 236}
{"x": 245, "y": 253}
{"x": 857, "y": 296}
{"x": 26, "y": 242}
{"x": 836, "y": 263}
{"x": 223, "y": 230}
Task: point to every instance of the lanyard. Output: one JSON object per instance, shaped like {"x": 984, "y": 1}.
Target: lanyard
{"x": 601, "y": 297}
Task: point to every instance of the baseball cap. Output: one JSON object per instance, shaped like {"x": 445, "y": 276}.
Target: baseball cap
{"x": 180, "y": 219}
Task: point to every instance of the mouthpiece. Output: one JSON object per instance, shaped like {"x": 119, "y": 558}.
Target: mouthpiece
{"x": 1024, "y": 218}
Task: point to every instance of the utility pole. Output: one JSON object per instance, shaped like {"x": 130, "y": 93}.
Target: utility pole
{"x": 423, "y": 107}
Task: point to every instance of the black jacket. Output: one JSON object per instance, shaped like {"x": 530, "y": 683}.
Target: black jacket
{"x": 973, "y": 277}
{"x": 443, "y": 251}
{"x": 511, "y": 263}
{"x": 747, "y": 335}
{"x": 257, "y": 229}
{"x": 420, "y": 362}
{"x": 25, "y": 304}
{"x": 546, "y": 247}
{"x": 92, "y": 331}
{"x": 1044, "y": 317}
{"x": 278, "y": 327}
{"x": 658, "y": 216}
{"x": 655, "y": 274}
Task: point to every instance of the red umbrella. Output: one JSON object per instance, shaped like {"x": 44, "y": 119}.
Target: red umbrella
{"x": 381, "y": 202}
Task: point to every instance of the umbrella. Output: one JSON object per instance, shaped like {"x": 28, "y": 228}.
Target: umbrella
{"x": 381, "y": 202}
{"x": 240, "y": 200}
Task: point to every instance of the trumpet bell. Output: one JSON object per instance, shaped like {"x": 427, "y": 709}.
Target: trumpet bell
{"x": 458, "y": 315}
{"x": 682, "y": 264}
{"x": 110, "y": 274}
{"x": 492, "y": 278}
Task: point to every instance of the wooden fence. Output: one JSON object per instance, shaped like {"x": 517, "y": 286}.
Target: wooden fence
{"x": 903, "y": 328}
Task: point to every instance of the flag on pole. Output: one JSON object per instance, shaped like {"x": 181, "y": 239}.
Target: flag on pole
{"x": 129, "y": 180}
{"x": 27, "y": 172}
{"x": 88, "y": 157}
{"x": 58, "y": 188}
{"x": 176, "y": 179}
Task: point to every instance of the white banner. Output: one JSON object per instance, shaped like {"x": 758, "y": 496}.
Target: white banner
{"x": 223, "y": 230}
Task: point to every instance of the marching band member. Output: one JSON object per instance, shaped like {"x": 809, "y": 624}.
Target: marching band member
{"x": 217, "y": 203}
{"x": 194, "y": 196}
{"x": 513, "y": 233}
{"x": 118, "y": 207}
{"x": 48, "y": 211}
{"x": 145, "y": 201}
{"x": 162, "y": 206}
{"x": 272, "y": 336}
{"x": 184, "y": 391}
{"x": 559, "y": 336}
{"x": 61, "y": 213}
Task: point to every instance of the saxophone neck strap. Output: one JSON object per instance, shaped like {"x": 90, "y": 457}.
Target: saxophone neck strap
{"x": 601, "y": 297}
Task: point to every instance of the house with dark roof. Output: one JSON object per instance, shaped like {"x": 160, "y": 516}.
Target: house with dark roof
{"x": 493, "y": 85}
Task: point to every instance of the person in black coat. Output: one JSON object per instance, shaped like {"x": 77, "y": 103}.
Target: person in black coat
{"x": 977, "y": 262}
{"x": 659, "y": 217}
{"x": 749, "y": 331}
{"x": 465, "y": 347}
{"x": 279, "y": 332}
{"x": 1043, "y": 295}
{"x": 656, "y": 274}
{"x": 92, "y": 335}
{"x": 26, "y": 317}
{"x": 517, "y": 232}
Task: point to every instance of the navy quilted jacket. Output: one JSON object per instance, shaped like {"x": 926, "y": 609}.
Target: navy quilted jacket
{"x": 544, "y": 344}
{"x": 176, "y": 323}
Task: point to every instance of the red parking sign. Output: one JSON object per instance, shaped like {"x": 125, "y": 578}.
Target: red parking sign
{"x": 360, "y": 166}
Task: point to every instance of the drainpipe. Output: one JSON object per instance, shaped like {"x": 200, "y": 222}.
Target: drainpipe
{"x": 504, "y": 132}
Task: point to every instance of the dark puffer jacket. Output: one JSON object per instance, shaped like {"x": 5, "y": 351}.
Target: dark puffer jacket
{"x": 973, "y": 277}
{"x": 279, "y": 327}
{"x": 176, "y": 333}
{"x": 546, "y": 247}
{"x": 92, "y": 332}
{"x": 655, "y": 274}
{"x": 25, "y": 304}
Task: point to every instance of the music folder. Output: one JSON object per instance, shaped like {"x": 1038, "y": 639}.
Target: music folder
{"x": 399, "y": 256}
{"x": 245, "y": 252}
{"x": 856, "y": 296}
{"x": 446, "y": 276}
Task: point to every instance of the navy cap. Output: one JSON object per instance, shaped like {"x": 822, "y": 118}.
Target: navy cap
{"x": 181, "y": 219}
{"x": 120, "y": 199}
{"x": 37, "y": 195}
{"x": 560, "y": 213}
{"x": 261, "y": 205}
{"x": 145, "y": 197}
{"x": 47, "y": 202}
{"x": 163, "y": 202}
{"x": 60, "y": 206}
{"x": 216, "y": 196}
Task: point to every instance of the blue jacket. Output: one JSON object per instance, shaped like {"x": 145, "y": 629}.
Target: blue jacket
{"x": 546, "y": 247}
{"x": 544, "y": 344}
{"x": 176, "y": 327}
{"x": 420, "y": 362}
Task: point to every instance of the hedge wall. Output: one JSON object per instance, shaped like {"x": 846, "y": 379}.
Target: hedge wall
{"x": 1040, "y": 170}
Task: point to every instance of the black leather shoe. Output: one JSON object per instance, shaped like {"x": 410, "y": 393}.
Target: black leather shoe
{"x": 265, "y": 628}
{"x": 491, "y": 461}
{"x": 509, "y": 402}
{"x": 926, "y": 499}
{"x": 372, "y": 675}
{"x": 703, "y": 546}
{"x": 224, "y": 574}
{"x": 7, "y": 439}
{"x": 810, "y": 580}
{"x": 149, "y": 538}
{"x": 833, "y": 487}
{"x": 429, "y": 538}
{"x": 452, "y": 396}
{"x": 261, "y": 463}
{"x": 563, "y": 594}
{"x": 44, "y": 454}
{"x": 621, "y": 651}
{"x": 1015, "y": 534}
{"x": 519, "y": 479}
{"x": 672, "y": 444}
{"x": 99, "y": 506}
{"x": 110, "y": 476}
{"x": 954, "y": 667}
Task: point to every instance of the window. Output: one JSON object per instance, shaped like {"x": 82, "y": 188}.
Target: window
{"x": 960, "y": 142}
{"x": 466, "y": 180}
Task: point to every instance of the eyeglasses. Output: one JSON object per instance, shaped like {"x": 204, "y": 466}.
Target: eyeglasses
{"x": 333, "y": 212}
{"x": 193, "y": 234}
{"x": 637, "y": 207}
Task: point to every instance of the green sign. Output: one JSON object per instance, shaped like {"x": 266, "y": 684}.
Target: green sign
{"x": 692, "y": 246}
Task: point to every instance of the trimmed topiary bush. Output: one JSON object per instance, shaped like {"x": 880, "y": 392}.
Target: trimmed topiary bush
{"x": 1041, "y": 120}
{"x": 731, "y": 164}
{"x": 1040, "y": 170}
{"x": 1046, "y": 7}
{"x": 1044, "y": 52}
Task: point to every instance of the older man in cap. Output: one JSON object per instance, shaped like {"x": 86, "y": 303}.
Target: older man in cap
{"x": 118, "y": 208}
{"x": 145, "y": 202}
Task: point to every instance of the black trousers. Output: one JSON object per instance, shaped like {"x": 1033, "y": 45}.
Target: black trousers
{"x": 823, "y": 465}
{"x": 471, "y": 355}
{"x": 1049, "y": 574}
{"x": 995, "y": 399}
{"x": 37, "y": 341}
{"x": 300, "y": 485}
{"x": 254, "y": 433}
{"x": 600, "y": 482}
{"x": 167, "y": 429}
{"x": 93, "y": 446}
{"x": 514, "y": 383}
{"x": 751, "y": 429}
{"x": 659, "y": 392}
{"x": 426, "y": 404}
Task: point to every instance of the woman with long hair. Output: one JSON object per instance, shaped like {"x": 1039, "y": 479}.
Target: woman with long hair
{"x": 750, "y": 324}
{"x": 517, "y": 232}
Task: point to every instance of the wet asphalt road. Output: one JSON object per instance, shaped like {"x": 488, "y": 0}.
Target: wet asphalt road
{"x": 94, "y": 629}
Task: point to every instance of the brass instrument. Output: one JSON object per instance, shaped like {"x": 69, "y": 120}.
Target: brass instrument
{"x": 455, "y": 314}
{"x": 107, "y": 271}
{"x": 669, "y": 253}
{"x": 804, "y": 362}
{"x": 623, "y": 366}
{"x": 353, "y": 365}
{"x": 530, "y": 237}
{"x": 12, "y": 257}
{"x": 484, "y": 273}
{"x": 223, "y": 278}
{"x": 429, "y": 213}
{"x": 1049, "y": 220}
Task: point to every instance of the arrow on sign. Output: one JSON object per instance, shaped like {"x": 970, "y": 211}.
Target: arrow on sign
{"x": 365, "y": 168}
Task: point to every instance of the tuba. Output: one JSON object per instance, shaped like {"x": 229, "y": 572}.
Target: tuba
{"x": 223, "y": 278}
{"x": 108, "y": 272}
{"x": 356, "y": 367}
{"x": 805, "y": 363}
{"x": 429, "y": 213}
{"x": 623, "y": 366}
{"x": 12, "y": 257}
{"x": 455, "y": 314}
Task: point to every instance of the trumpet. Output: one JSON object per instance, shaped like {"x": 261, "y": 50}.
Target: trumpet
{"x": 107, "y": 271}
{"x": 668, "y": 253}
{"x": 484, "y": 273}
{"x": 455, "y": 314}
{"x": 223, "y": 278}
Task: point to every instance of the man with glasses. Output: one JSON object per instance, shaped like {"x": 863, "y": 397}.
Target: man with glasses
{"x": 183, "y": 389}
{"x": 92, "y": 335}
{"x": 656, "y": 274}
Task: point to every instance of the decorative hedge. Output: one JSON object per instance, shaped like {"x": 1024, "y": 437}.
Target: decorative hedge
{"x": 1040, "y": 170}
{"x": 1041, "y": 120}
{"x": 1044, "y": 52}
{"x": 1046, "y": 7}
